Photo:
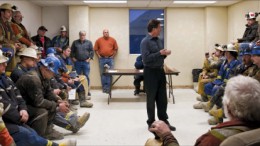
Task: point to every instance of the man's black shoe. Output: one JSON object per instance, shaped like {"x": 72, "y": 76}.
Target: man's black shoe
{"x": 172, "y": 128}
{"x": 136, "y": 92}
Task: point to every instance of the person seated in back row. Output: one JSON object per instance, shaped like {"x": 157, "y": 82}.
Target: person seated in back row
{"x": 138, "y": 78}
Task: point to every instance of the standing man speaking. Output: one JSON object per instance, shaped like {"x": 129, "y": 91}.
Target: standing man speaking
{"x": 153, "y": 56}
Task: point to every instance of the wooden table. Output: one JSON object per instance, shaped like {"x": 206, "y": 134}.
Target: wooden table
{"x": 132, "y": 72}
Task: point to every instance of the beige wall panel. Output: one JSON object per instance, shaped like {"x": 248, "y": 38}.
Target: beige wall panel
{"x": 78, "y": 20}
{"x": 53, "y": 18}
{"x": 185, "y": 35}
{"x": 216, "y": 27}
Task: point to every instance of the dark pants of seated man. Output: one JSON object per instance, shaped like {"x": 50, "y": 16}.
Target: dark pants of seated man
{"x": 137, "y": 83}
{"x": 39, "y": 119}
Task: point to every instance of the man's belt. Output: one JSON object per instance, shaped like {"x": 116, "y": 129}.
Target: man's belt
{"x": 105, "y": 56}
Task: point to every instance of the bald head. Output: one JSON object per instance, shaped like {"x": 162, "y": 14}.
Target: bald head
{"x": 105, "y": 33}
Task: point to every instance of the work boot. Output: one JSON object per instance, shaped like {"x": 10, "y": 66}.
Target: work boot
{"x": 206, "y": 106}
{"x": 215, "y": 121}
{"x": 217, "y": 116}
{"x": 70, "y": 142}
{"x": 218, "y": 113}
{"x": 83, "y": 119}
{"x": 197, "y": 105}
{"x": 202, "y": 98}
{"x": 73, "y": 108}
{"x": 86, "y": 104}
{"x": 88, "y": 97}
{"x": 199, "y": 98}
{"x": 52, "y": 134}
{"x": 82, "y": 100}
{"x": 214, "y": 108}
{"x": 74, "y": 102}
{"x": 74, "y": 129}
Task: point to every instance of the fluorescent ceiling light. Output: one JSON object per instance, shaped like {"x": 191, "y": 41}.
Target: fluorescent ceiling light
{"x": 104, "y": 1}
{"x": 194, "y": 2}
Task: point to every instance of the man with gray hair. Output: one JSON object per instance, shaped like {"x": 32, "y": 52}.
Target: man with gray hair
{"x": 82, "y": 53}
{"x": 19, "y": 29}
{"x": 241, "y": 106}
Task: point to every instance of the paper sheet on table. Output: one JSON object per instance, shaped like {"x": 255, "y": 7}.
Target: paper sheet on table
{"x": 112, "y": 71}
{"x": 72, "y": 94}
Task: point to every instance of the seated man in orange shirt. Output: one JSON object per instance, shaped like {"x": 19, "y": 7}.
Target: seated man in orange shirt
{"x": 106, "y": 49}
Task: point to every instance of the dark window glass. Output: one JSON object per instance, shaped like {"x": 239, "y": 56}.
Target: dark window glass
{"x": 138, "y": 26}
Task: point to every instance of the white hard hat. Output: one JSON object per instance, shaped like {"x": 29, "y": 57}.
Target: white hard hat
{"x": 219, "y": 47}
{"x": 251, "y": 15}
{"x": 2, "y": 57}
{"x": 231, "y": 48}
{"x": 28, "y": 52}
{"x": 63, "y": 28}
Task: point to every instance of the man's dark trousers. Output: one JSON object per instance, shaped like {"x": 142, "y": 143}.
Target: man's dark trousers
{"x": 155, "y": 87}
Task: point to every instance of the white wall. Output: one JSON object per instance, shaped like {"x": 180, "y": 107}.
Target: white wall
{"x": 216, "y": 27}
{"x": 53, "y": 18}
{"x": 185, "y": 35}
{"x": 236, "y": 17}
{"x": 32, "y": 15}
{"x": 78, "y": 21}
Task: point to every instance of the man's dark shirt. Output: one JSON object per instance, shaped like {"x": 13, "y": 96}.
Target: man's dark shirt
{"x": 150, "y": 49}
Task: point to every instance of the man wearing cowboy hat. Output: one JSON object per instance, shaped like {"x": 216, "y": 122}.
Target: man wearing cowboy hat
{"x": 250, "y": 34}
{"x": 7, "y": 37}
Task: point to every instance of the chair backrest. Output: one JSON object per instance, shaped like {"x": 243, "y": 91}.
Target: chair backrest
{"x": 248, "y": 138}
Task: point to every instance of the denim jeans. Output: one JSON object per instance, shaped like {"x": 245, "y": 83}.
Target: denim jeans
{"x": 83, "y": 67}
{"x": 28, "y": 137}
{"x": 66, "y": 120}
{"x": 105, "y": 79}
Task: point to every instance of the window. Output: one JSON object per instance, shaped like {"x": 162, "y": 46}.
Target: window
{"x": 138, "y": 26}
